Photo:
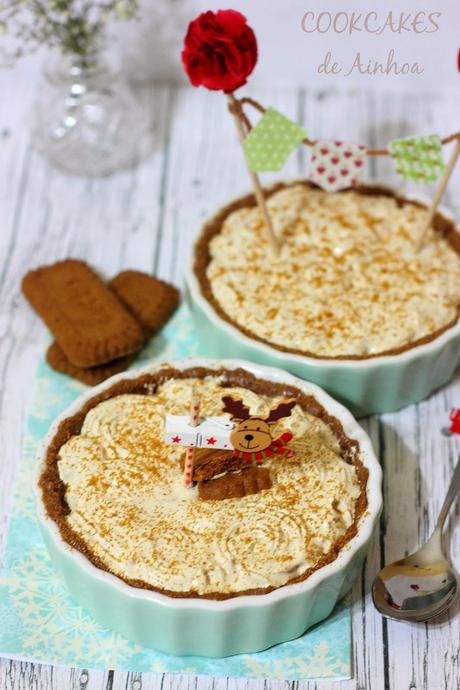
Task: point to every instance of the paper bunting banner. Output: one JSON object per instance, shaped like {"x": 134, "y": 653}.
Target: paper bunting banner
{"x": 418, "y": 158}
{"x": 336, "y": 164}
{"x": 270, "y": 143}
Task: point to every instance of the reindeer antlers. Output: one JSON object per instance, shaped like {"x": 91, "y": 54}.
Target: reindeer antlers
{"x": 283, "y": 410}
{"x": 236, "y": 408}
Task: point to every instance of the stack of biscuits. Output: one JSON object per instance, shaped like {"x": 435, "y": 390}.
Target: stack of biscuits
{"x": 98, "y": 327}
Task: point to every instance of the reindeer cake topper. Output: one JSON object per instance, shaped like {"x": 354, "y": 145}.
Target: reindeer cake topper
{"x": 245, "y": 440}
{"x": 252, "y": 437}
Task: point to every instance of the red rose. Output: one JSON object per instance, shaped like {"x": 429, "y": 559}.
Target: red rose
{"x": 220, "y": 50}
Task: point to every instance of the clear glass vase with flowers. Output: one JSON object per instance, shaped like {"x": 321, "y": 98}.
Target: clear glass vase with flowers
{"x": 86, "y": 120}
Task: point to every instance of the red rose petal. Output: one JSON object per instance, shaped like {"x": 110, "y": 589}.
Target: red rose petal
{"x": 220, "y": 50}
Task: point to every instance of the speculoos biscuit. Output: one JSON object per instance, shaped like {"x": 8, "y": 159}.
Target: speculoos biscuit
{"x": 150, "y": 300}
{"x": 235, "y": 484}
{"x": 90, "y": 376}
{"x": 87, "y": 319}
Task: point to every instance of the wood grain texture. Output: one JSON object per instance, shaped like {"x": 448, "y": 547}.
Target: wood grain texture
{"x": 146, "y": 219}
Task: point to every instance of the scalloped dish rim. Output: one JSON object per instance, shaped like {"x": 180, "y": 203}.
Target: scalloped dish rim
{"x": 351, "y": 427}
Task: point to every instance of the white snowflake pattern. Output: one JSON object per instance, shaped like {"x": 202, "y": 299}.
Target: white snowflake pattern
{"x": 47, "y": 396}
{"x": 176, "y": 341}
{"x": 39, "y": 613}
{"x": 322, "y": 663}
{"x": 29, "y": 446}
{"x": 24, "y": 504}
{"x": 55, "y": 627}
{"x": 75, "y": 386}
{"x": 166, "y": 665}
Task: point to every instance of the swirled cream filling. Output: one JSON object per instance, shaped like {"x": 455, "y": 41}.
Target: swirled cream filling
{"x": 127, "y": 502}
{"x": 348, "y": 282}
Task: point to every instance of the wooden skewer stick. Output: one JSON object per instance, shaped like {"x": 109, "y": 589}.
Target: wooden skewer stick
{"x": 439, "y": 194}
{"x": 258, "y": 191}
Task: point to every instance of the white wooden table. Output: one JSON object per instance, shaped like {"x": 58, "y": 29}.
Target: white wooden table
{"x": 145, "y": 218}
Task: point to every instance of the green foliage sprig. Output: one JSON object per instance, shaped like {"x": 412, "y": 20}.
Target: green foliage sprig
{"x": 75, "y": 26}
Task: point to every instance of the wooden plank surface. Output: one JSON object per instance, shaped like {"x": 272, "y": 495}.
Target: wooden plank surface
{"x": 146, "y": 218}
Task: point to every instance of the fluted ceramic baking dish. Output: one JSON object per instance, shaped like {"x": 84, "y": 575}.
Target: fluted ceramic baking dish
{"x": 193, "y": 626}
{"x": 366, "y": 386}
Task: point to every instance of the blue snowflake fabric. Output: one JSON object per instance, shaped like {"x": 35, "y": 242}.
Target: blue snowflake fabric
{"x": 38, "y": 619}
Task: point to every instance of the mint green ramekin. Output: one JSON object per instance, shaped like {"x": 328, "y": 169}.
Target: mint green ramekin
{"x": 200, "y": 626}
{"x": 366, "y": 386}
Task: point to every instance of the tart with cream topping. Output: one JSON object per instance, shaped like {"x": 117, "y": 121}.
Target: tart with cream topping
{"x": 114, "y": 487}
{"x": 349, "y": 282}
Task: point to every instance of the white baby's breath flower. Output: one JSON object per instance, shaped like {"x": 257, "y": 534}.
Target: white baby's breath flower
{"x": 74, "y": 26}
{"x": 104, "y": 15}
{"x": 123, "y": 10}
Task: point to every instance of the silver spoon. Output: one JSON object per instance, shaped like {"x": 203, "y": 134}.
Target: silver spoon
{"x": 423, "y": 585}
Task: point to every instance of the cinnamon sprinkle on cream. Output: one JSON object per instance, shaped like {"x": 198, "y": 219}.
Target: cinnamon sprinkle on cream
{"x": 349, "y": 281}
{"x": 127, "y": 503}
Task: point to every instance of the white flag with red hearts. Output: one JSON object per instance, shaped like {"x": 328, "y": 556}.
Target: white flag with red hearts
{"x": 336, "y": 164}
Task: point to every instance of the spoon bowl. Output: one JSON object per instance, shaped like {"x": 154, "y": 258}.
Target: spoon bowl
{"x": 410, "y": 591}
{"x": 422, "y": 585}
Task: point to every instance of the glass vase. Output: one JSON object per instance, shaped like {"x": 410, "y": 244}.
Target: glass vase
{"x": 86, "y": 120}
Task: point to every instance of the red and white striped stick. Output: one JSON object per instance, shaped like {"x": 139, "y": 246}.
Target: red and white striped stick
{"x": 190, "y": 455}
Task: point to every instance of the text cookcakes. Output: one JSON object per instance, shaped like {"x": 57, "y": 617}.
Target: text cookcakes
{"x": 349, "y": 281}
{"x": 123, "y": 504}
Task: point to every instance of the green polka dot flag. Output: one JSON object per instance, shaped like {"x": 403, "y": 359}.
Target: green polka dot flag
{"x": 270, "y": 143}
{"x": 418, "y": 158}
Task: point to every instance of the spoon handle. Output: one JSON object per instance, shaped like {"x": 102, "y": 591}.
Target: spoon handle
{"x": 454, "y": 488}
